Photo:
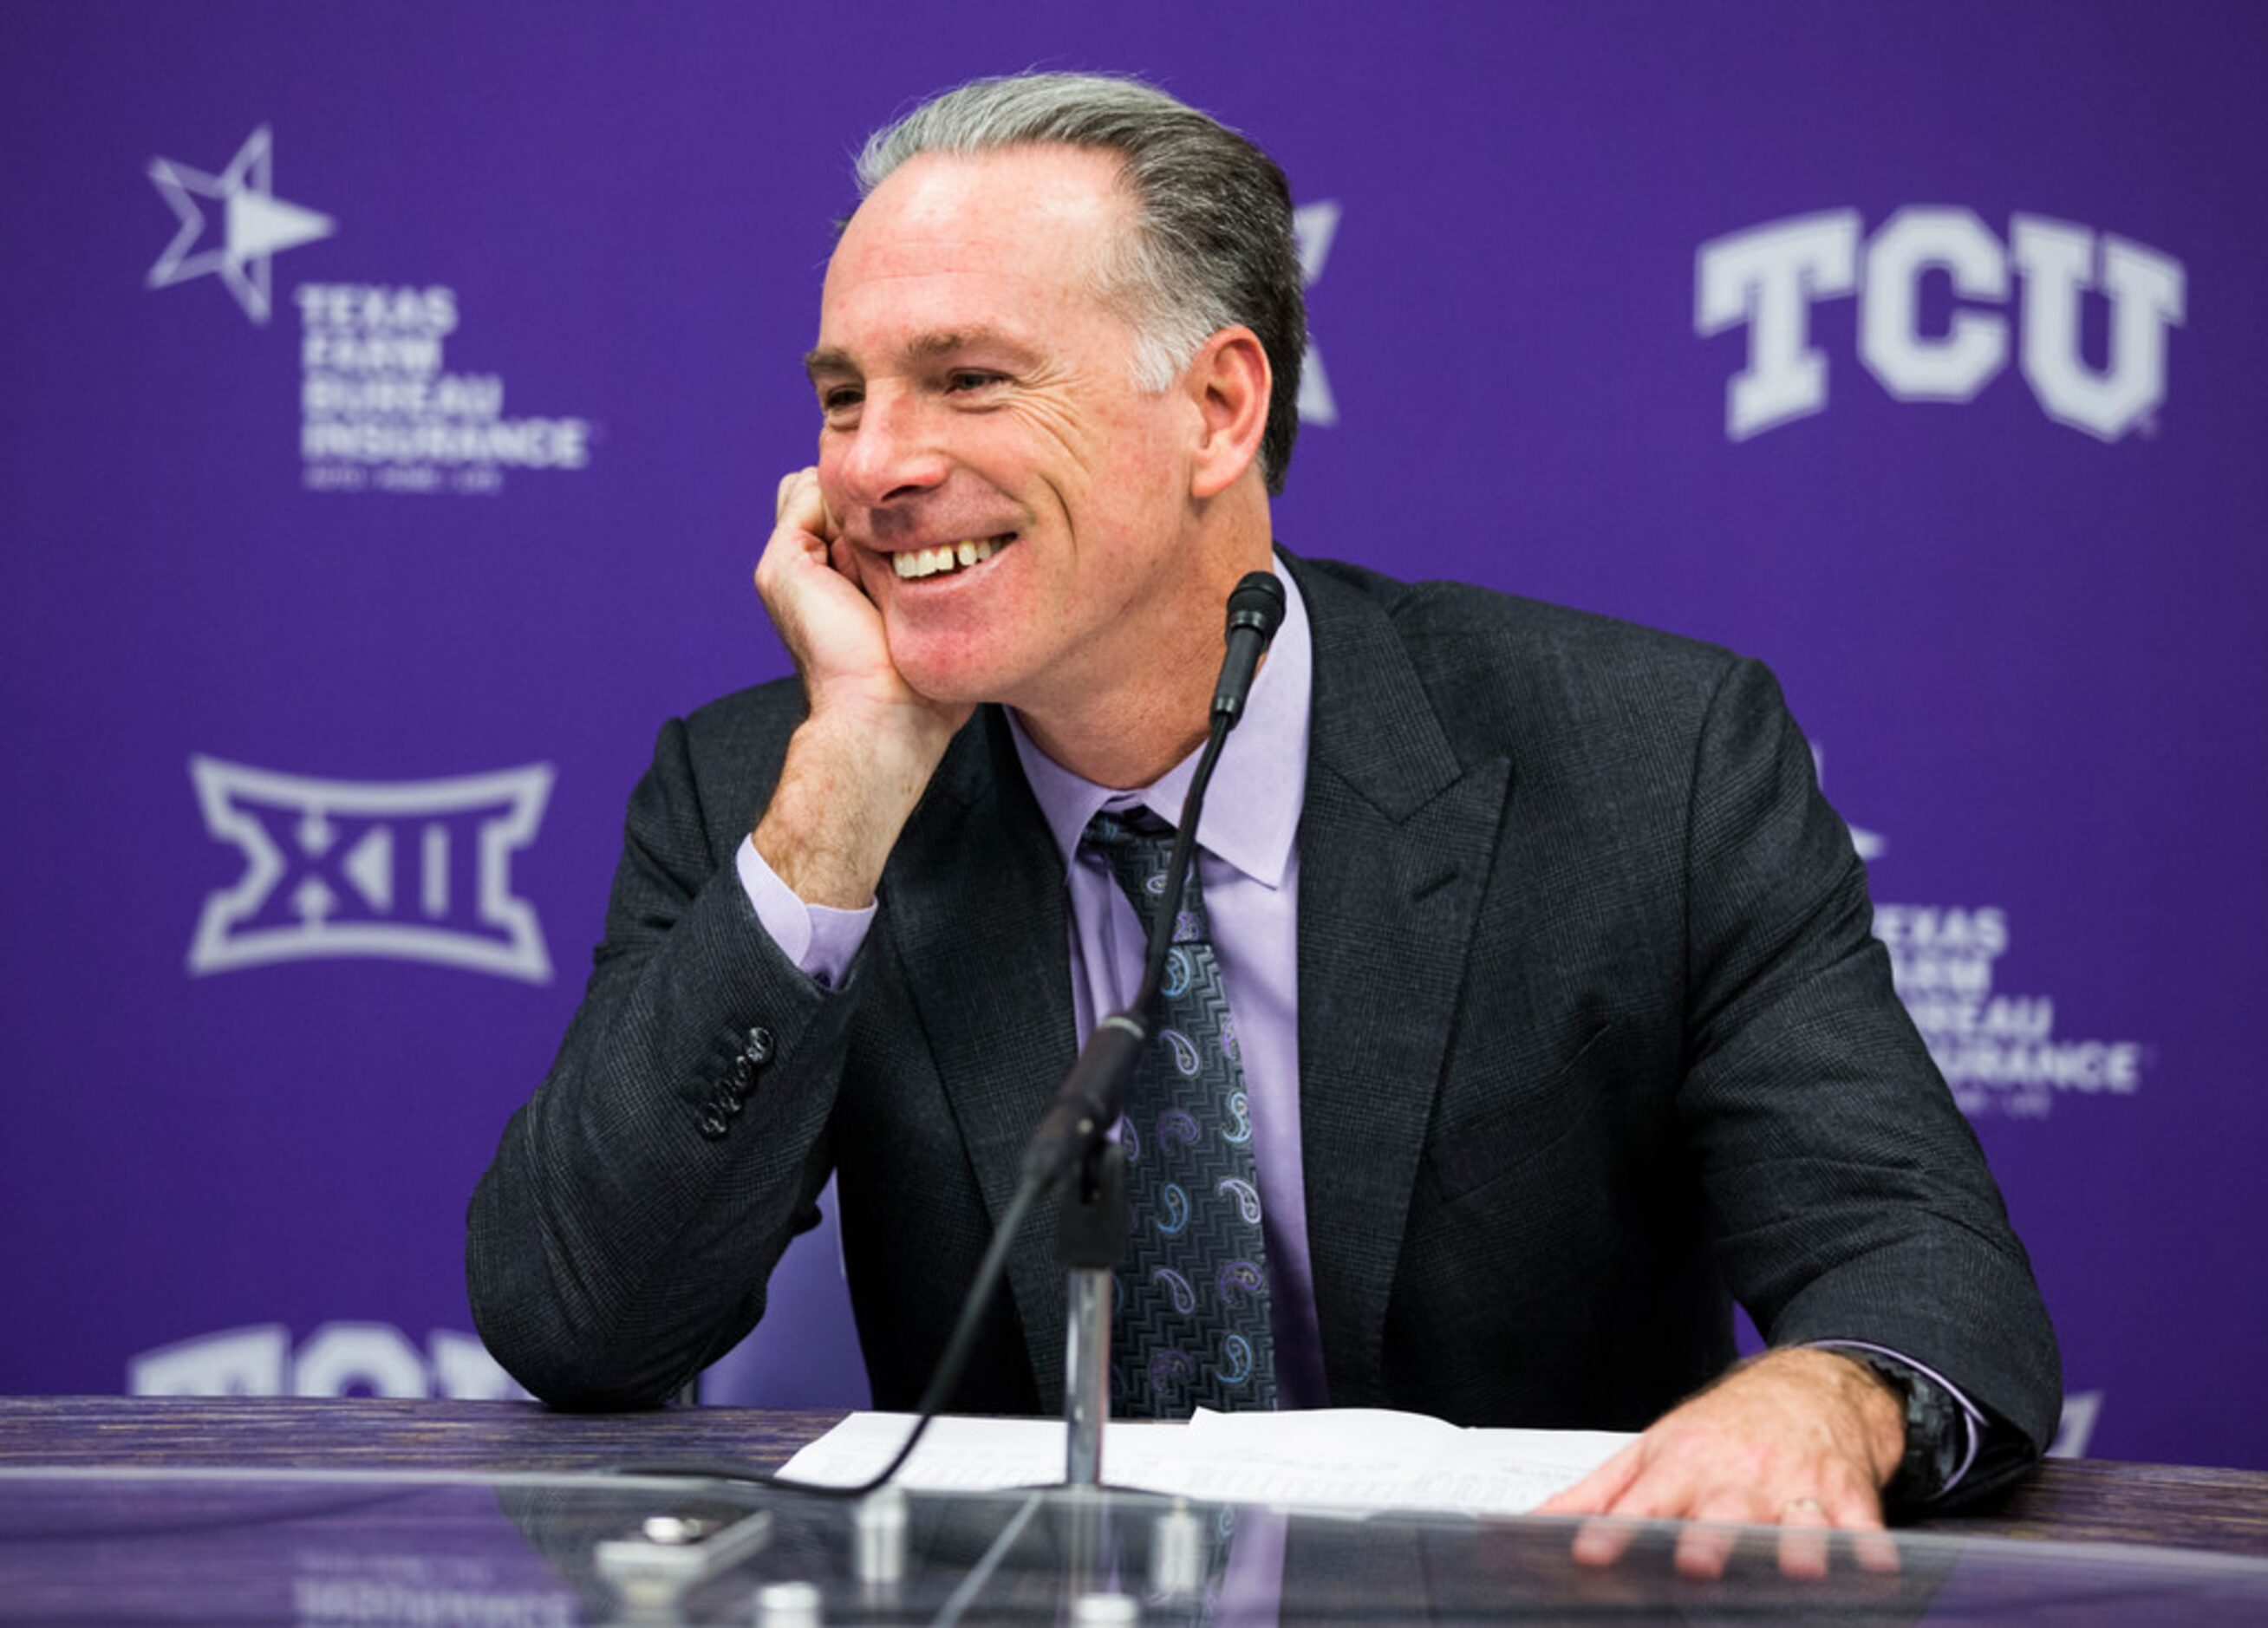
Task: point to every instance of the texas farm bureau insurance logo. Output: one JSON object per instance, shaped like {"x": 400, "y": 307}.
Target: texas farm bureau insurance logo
{"x": 410, "y": 870}
{"x": 379, "y": 411}
{"x": 2002, "y": 1053}
{"x": 1768, "y": 278}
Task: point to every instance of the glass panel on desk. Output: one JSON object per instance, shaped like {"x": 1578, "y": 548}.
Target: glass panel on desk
{"x": 239, "y": 1547}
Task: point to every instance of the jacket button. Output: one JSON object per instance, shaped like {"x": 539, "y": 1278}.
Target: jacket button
{"x": 744, "y": 1077}
{"x": 759, "y": 1045}
{"x": 713, "y": 1124}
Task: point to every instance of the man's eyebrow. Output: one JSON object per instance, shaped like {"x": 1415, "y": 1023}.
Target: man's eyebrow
{"x": 929, "y": 346}
{"x": 944, "y": 343}
{"x": 832, "y": 363}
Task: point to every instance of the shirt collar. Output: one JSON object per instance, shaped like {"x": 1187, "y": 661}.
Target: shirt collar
{"x": 1252, "y": 807}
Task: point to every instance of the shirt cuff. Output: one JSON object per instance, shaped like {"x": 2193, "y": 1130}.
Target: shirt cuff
{"x": 1972, "y": 1420}
{"x": 818, "y": 938}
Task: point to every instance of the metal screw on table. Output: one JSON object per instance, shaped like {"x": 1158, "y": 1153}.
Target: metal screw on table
{"x": 879, "y": 1555}
{"x": 1105, "y": 1611}
{"x": 1177, "y": 1555}
{"x": 677, "y": 1529}
{"x": 788, "y": 1605}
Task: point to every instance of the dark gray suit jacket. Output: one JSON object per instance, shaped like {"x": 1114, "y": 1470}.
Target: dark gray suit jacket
{"x": 1593, "y": 1037}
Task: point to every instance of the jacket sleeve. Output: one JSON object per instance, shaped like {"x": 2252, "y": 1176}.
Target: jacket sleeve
{"x": 621, "y": 1238}
{"x": 1851, "y": 1199}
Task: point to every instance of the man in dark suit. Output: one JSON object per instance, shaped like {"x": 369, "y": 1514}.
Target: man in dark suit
{"x": 1560, "y": 1018}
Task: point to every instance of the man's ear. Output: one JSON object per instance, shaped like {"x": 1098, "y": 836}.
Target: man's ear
{"x": 1230, "y": 382}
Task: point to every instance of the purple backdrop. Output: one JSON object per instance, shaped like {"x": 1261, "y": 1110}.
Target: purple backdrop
{"x": 396, "y": 395}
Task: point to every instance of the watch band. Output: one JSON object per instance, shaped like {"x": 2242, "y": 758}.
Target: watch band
{"x": 1934, "y": 1430}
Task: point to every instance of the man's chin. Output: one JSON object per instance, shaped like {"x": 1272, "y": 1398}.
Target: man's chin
{"x": 966, "y": 660}
{"x": 950, "y": 683}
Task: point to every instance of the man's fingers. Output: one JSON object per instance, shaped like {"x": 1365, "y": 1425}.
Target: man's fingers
{"x": 801, "y": 526}
{"x": 802, "y": 578}
{"x": 1859, "y": 1509}
{"x": 1804, "y": 1527}
{"x": 1859, "y": 1512}
{"x": 1603, "y": 1541}
{"x": 1661, "y": 1492}
{"x": 790, "y": 539}
{"x": 1872, "y": 1547}
{"x": 801, "y": 500}
{"x": 1595, "y": 1491}
{"x": 1807, "y": 1526}
{"x": 1703, "y": 1549}
{"x": 1705, "y": 1545}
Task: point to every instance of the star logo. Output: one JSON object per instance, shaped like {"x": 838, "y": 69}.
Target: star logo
{"x": 1313, "y": 226}
{"x": 255, "y": 223}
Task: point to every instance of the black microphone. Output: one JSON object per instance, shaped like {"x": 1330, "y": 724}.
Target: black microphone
{"x": 1255, "y": 610}
{"x": 1088, "y": 1099}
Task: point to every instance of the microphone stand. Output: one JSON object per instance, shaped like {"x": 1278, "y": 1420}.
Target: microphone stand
{"x": 1090, "y": 1241}
{"x": 1092, "y": 1220}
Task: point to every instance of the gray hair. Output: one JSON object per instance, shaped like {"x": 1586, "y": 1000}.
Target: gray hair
{"x": 1212, "y": 245}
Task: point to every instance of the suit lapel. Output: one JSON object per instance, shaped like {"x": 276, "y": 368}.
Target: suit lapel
{"x": 976, "y": 889}
{"x": 1395, "y": 843}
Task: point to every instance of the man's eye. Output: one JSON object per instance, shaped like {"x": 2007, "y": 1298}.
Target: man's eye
{"x": 841, "y": 400}
{"x": 963, "y": 381}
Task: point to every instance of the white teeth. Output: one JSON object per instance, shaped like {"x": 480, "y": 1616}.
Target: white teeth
{"x": 946, "y": 557}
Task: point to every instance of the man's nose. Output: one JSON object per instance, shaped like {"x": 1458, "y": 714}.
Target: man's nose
{"x": 893, "y": 454}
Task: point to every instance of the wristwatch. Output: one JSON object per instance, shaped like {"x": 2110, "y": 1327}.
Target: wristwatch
{"x": 1937, "y": 1436}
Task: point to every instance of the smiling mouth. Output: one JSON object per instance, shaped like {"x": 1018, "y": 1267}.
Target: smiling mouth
{"x": 948, "y": 557}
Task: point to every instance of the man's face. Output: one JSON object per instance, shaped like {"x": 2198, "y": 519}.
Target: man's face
{"x": 978, "y": 388}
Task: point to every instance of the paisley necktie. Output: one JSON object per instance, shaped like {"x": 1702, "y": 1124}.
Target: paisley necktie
{"x": 1190, "y": 1326}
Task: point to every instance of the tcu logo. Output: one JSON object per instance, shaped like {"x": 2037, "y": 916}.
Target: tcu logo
{"x": 417, "y": 870}
{"x": 1768, "y": 277}
{"x": 337, "y": 1359}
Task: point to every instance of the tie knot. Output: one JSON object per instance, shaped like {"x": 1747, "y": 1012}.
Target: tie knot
{"x": 1134, "y": 829}
{"x": 1138, "y": 847}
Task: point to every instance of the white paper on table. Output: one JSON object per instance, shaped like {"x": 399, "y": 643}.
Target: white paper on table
{"x": 1333, "y": 1457}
